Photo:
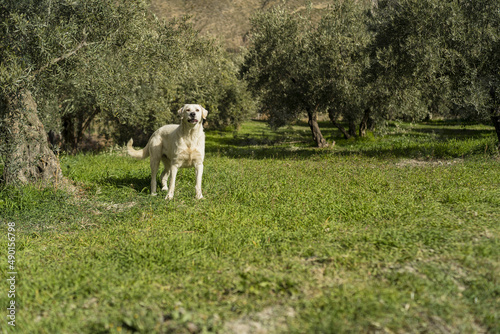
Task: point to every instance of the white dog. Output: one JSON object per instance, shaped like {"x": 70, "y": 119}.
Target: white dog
{"x": 176, "y": 146}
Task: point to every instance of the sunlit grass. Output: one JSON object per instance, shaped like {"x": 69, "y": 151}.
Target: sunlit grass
{"x": 290, "y": 238}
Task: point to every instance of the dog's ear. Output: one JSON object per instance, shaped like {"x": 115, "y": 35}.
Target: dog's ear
{"x": 179, "y": 112}
{"x": 204, "y": 113}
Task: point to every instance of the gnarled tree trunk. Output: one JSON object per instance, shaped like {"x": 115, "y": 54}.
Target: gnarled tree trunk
{"x": 338, "y": 125}
{"x": 363, "y": 126}
{"x": 316, "y": 132}
{"x": 28, "y": 158}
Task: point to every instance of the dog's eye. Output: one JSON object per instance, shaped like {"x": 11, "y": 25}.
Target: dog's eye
{"x": 197, "y": 109}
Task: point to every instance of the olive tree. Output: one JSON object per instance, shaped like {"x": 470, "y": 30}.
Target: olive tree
{"x": 436, "y": 56}
{"x": 297, "y": 65}
{"x": 37, "y": 37}
{"x": 70, "y": 63}
{"x": 407, "y": 58}
{"x": 340, "y": 43}
{"x": 67, "y": 49}
{"x": 476, "y": 74}
{"x": 281, "y": 69}
{"x": 138, "y": 84}
{"x": 135, "y": 84}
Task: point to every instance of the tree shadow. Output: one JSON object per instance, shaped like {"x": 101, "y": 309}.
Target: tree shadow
{"x": 294, "y": 141}
{"x": 265, "y": 152}
{"x": 426, "y": 142}
{"x": 462, "y": 133}
{"x": 139, "y": 184}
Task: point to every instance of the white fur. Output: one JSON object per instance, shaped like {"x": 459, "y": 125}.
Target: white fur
{"x": 177, "y": 146}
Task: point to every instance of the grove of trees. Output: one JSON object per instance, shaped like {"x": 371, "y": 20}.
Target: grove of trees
{"x": 64, "y": 64}
{"x": 369, "y": 60}
{"x": 67, "y": 64}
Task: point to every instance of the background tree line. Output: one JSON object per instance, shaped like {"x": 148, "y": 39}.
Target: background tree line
{"x": 66, "y": 64}
{"x": 367, "y": 61}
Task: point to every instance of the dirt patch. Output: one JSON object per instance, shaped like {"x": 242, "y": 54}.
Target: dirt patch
{"x": 270, "y": 320}
{"x": 424, "y": 163}
{"x": 117, "y": 207}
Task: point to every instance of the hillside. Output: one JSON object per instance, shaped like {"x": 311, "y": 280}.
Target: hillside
{"x": 225, "y": 19}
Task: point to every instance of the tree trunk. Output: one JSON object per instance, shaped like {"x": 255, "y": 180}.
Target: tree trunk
{"x": 495, "y": 113}
{"x": 363, "y": 126}
{"x": 496, "y": 122}
{"x": 28, "y": 158}
{"x": 74, "y": 127}
{"x": 68, "y": 134}
{"x": 84, "y": 125}
{"x": 339, "y": 126}
{"x": 316, "y": 132}
{"x": 352, "y": 128}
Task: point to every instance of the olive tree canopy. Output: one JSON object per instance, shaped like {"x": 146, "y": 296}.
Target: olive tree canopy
{"x": 38, "y": 37}
{"x": 296, "y": 64}
{"x": 437, "y": 56}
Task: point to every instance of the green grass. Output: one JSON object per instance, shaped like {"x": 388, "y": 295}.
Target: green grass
{"x": 387, "y": 234}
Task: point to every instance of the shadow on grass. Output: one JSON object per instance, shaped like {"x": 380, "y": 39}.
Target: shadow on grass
{"x": 139, "y": 184}
{"x": 262, "y": 153}
{"x": 451, "y": 143}
{"x": 454, "y": 133}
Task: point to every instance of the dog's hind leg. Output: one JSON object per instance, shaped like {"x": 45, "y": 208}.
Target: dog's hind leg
{"x": 166, "y": 173}
{"x": 154, "y": 171}
{"x": 154, "y": 162}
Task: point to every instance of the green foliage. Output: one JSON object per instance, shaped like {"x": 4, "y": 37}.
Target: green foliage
{"x": 114, "y": 62}
{"x": 477, "y": 82}
{"x": 295, "y": 64}
{"x": 437, "y": 56}
{"x": 339, "y": 46}
{"x": 277, "y": 65}
{"x": 408, "y": 64}
{"x": 39, "y": 34}
{"x": 212, "y": 80}
{"x": 403, "y": 59}
{"x": 290, "y": 239}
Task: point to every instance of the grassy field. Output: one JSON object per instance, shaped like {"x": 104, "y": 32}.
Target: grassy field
{"x": 392, "y": 234}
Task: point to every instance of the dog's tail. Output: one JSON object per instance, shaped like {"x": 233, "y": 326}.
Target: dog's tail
{"x": 140, "y": 154}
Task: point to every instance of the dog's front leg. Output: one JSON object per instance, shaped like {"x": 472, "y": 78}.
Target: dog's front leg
{"x": 166, "y": 173}
{"x": 173, "y": 175}
{"x": 199, "y": 174}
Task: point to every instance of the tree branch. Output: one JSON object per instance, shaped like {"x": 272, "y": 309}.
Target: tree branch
{"x": 61, "y": 58}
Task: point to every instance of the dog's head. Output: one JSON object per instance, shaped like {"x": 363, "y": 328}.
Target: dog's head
{"x": 193, "y": 114}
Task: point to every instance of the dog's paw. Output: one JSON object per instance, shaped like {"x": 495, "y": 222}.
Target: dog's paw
{"x": 154, "y": 194}
{"x": 165, "y": 188}
{"x": 169, "y": 197}
{"x": 199, "y": 196}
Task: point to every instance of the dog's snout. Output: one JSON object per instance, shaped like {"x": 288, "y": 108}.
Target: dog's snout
{"x": 192, "y": 114}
